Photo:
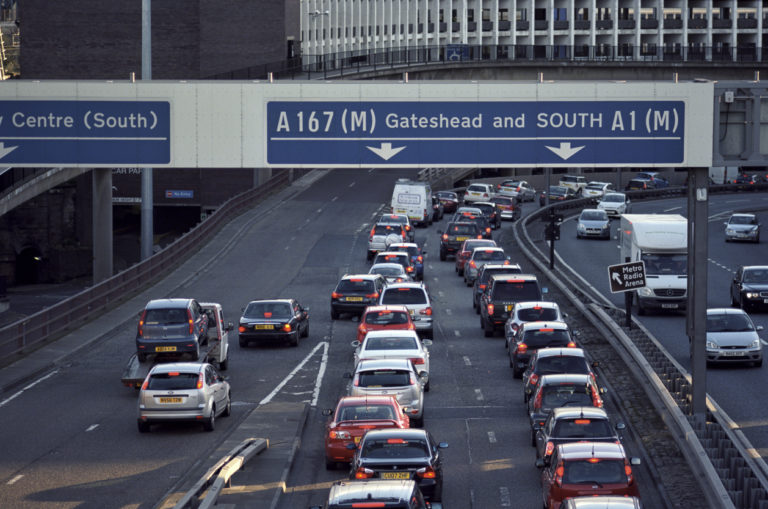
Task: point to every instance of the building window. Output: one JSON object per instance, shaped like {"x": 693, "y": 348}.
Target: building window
{"x": 470, "y": 15}
{"x": 486, "y": 15}
{"x": 503, "y": 15}
{"x": 454, "y": 16}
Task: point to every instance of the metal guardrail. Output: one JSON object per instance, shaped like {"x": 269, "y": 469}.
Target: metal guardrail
{"x": 731, "y": 473}
{"x": 36, "y": 330}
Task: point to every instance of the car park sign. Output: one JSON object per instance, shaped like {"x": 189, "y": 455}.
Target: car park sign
{"x": 626, "y": 276}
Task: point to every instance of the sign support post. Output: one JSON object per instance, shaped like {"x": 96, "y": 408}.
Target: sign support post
{"x": 628, "y": 304}
{"x": 697, "y": 270}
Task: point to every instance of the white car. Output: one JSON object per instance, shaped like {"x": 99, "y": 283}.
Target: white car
{"x": 478, "y": 192}
{"x": 732, "y": 337}
{"x": 597, "y": 189}
{"x": 392, "y": 272}
{"x": 614, "y": 204}
{"x": 394, "y": 344}
{"x": 530, "y": 311}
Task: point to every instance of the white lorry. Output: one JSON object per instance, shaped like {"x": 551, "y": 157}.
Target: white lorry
{"x": 215, "y": 351}
{"x": 661, "y": 241}
{"x": 413, "y": 199}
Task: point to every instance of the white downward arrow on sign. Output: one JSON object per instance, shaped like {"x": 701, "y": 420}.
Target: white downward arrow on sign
{"x": 564, "y": 151}
{"x": 5, "y": 151}
{"x": 386, "y": 151}
{"x": 616, "y": 277}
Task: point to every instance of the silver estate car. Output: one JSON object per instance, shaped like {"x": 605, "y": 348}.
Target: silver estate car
{"x": 183, "y": 391}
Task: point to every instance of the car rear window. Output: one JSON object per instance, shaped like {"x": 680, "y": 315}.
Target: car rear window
{"x": 384, "y": 378}
{"x": 476, "y": 188}
{"x": 172, "y": 381}
{"x": 411, "y": 250}
{"x": 486, "y": 209}
{"x": 396, "y": 343}
{"x": 558, "y": 395}
{"x": 388, "y": 270}
{"x": 391, "y": 258}
{"x": 582, "y": 428}
{"x": 537, "y": 314}
{"x": 267, "y": 310}
{"x": 355, "y": 286}
{"x": 590, "y": 471}
{"x": 462, "y": 229}
{"x": 471, "y": 245}
{"x": 540, "y": 338}
{"x": 395, "y": 448}
{"x": 404, "y": 296}
{"x": 501, "y": 200}
{"x": 366, "y": 412}
{"x": 481, "y": 255}
{"x": 487, "y": 273}
{"x": 527, "y": 290}
{"x": 170, "y": 316}
{"x": 561, "y": 364}
{"x": 386, "y": 317}
{"x": 386, "y": 229}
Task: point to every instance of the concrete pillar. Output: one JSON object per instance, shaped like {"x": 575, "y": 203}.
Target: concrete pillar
{"x": 261, "y": 175}
{"x": 102, "y": 224}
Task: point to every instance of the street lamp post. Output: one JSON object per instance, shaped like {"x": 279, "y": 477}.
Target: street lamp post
{"x": 147, "y": 205}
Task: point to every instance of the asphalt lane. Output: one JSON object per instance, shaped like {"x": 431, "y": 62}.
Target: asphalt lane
{"x": 737, "y": 388}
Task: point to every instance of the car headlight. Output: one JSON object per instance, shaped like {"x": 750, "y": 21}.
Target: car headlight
{"x": 729, "y": 231}
{"x": 645, "y": 291}
{"x": 754, "y": 345}
{"x": 605, "y": 227}
{"x": 711, "y": 345}
{"x": 752, "y": 295}
{"x": 582, "y": 227}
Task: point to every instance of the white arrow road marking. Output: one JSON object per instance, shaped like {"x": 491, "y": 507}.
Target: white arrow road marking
{"x": 564, "y": 151}
{"x": 616, "y": 277}
{"x": 386, "y": 151}
{"x": 5, "y": 151}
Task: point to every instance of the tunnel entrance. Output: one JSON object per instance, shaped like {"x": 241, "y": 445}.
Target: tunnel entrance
{"x": 28, "y": 263}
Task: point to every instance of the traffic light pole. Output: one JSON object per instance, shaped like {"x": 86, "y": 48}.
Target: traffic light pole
{"x": 552, "y": 236}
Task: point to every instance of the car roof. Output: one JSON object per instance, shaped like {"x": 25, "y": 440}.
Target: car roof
{"x": 559, "y": 352}
{"x": 404, "y": 244}
{"x": 564, "y": 378}
{"x": 395, "y": 363}
{"x": 576, "y": 412}
{"x": 287, "y": 301}
{"x": 593, "y": 210}
{"x": 386, "y": 307}
{"x": 372, "y": 399}
{"x": 393, "y": 253}
{"x": 725, "y": 311}
{"x": 494, "y": 266}
{"x": 167, "y": 303}
{"x": 755, "y": 267}
{"x": 392, "y": 333}
{"x": 489, "y": 203}
{"x": 545, "y": 325}
{"x": 584, "y": 450}
{"x": 409, "y": 284}
{"x": 742, "y": 214}
{"x": 184, "y": 367}
{"x": 487, "y": 248}
{"x": 361, "y": 276}
{"x": 344, "y": 492}
{"x": 521, "y": 277}
{"x": 528, "y": 304}
{"x": 397, "y": 432}
{"x": 615, "y": 192}
{"x": 605, "y": 502}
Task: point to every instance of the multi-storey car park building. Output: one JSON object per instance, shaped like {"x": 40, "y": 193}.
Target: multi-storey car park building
{"x": 614, "y": 30}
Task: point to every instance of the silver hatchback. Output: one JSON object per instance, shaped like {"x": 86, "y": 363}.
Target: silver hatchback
{"x": 183, "y": 391}
{"x": 415, "y": 297}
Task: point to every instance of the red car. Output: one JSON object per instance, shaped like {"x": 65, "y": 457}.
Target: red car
{"x": 386, "y": 317}
{"x": 587, "y": 468}
{"x": 354, "y": 416}
{"x": 465, "y": 252}
{"x": 449, "y": 199}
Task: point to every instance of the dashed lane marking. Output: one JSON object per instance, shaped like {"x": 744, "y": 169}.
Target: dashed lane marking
{"x": 492, "y": 437}
{"x": 91, "y": 427}
{"x": 457, "y": 333}
{"x": 505, "y": 497}
{"x": 467, "y": 361}
{"x": 479, "y": 395}
{"x": 15, "y": 479}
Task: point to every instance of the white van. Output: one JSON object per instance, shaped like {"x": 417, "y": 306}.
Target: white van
{"x": 413, "y": 199}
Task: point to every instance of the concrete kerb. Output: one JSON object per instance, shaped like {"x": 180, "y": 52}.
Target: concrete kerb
{"x": 289, "y": 464}
{"x": 683, "y": 433}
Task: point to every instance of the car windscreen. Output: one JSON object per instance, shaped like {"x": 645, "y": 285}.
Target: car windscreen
{"x": 267, "y": 310}
{"x": 527, "y": 290}
{"x": 729, "y": 323}
{"x": 386, "y": 317}
{"x": 167, "y": 316}
{"x": 482, "y": 255}
{"x": 589, "y": 471}
{"x": 537, "y": 314}
{"x": 561, "y": 364}
{"x": 558, "y": 395}
{"x": 665, "y": 264}
{"x": 593, "y": 215}
{"x": 404, "y": 296}
{"x": 384, "y": 378}
{"x": 394, "y": 343}
{"x": 742, "y": 220}
{"x": 172, "y": 381}
{"x": 400, "y": 448}
{"x": 541, "y": 338}
{"x": 355, "y": 286}
{"x": 582, "y": 428}
{"x": 617, "y": 198}
{"x": 756, "y": 276}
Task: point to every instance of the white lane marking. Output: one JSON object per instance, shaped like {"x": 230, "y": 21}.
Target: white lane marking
{"x": 718, "y": 264}
{"x": 505, "y": 497}
{"x": 448, "y": 312}
{"x": 14, "y": 396}
{"x": 492, "y": 437}
{"x": 286, "y": 248}
{"x": 764, "y": 342}
{"x": 440, "y": 293}
{"x": 91, "y": 427}
{"x": 334, "y": 198}
{"x": 318, "y": 211}
{"x": 457, "y": 333}
{"x": 673, "y": 208}
{"x": 320, "y": 373}
{"x": 291, "y": 374}
{"x": 430, "y": 266}
{"x": 15, "y": 479}
{"x": 467, "y": 361}
{"x": 479, "y": 395}
{"x": 435, "y": 279}
{"x": 352, "y": 184}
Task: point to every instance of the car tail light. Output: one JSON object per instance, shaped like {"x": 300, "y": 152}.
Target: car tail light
{"x": 522, "y": 348}
{"x": 340, "y": 435}
{"x": 145, "y": 384}
{"x": 426, "y": 311}
{"x": 363, "y": 473}
{"x": 409, "y": 269}
{"x": 402, "y": 234}
{"x": 628, "y": 471}
{"x": 473, "y": 264}
{"x": 200, "y": 380}
{"x": 482, "y": 287}
{"x": 287, "y": 327}
{"x": 362, "y": 329}
{"x": 445, "y": 236}
{"x": 408, "y": 227}
{"x": 571, "y": 344}
{"x": 479, "y": 236}
{"x": 419, "y": 259}
{"x": 411, "y": 326}
{"x": 426, "y": 473}
{"x": 374, "y": 295}
{"x": 191, "y": 322}
{"x": 336, "y": 295}
{"x": 491, "y": 309}
{"x": 141, "y": 323}
{"x": 506, "y": 262}
{"x": 596, "y": 401}
{"x": 559, "y": 475}
{"x": 417, "y": 360}
{"x": 241, "y": 329}
{"x": 485, "y": 195}
{"x": 534, "y": 379}
{"x": 550, "y": 449}
{"x": 488, "y": 230}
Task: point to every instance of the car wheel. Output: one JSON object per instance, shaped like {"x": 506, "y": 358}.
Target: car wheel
{"x": 477, "y": 309}
{"x": 330, "y": 465}
{"x": 243, "y": 342}
{"x": 228, "y": 409}
{"x": 417, "y": 423}
{"x": 426, "y": 387}
{"x": 334, "y": 314}
{"x": 143, "y": 426}
{"x": 533, "y": 438}
{"x": 516, "y": 372}
{"x": 468, "y": 282}
{"x": 369, "y": 256}
{"x": 460, "y": 272}
{"x": 442, "y": 255}
{"x": 305, "y": 334}
{"x": 487, "y": 329}
{"x": 734, "y": 304}
{"x": 295, "y": 339}
{"x": 210, "y": 423}
{"x": 142, "y": 357}
{"x": 757, "y": 239}
{"x": 223, "y": 365}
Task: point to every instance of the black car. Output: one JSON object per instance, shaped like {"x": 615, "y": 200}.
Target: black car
{"x": 575, "y": 424}
{"x": 530, "y": 337}
{"x": 171, "y": 327}
{"x": 482, "y": 224}
{"x": 500, "y": 296}
{"x": 556, "y": 193}
{"x": 406, "y": 454}
{"x": 391, "y": 494}
{"x": 749, "y": 288}
{"x": 453, "y": 236}
{"x": 485, "y": 273}
{"x": 356, "y": 292}
{"x": 564, "y": 358}
{"x": 276, "y": 319}
{"x": 490, "y": 212}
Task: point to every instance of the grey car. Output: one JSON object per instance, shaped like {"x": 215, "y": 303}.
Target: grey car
{"x": 593, "y": 223}
{"x": 742, "y": 227}
{"x": 732, "y": 337}
{"x": 183, "y": 392}
{"x": 415, "y": 297}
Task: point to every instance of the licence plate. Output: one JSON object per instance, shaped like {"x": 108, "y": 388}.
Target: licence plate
{"x": 461, "y": 238}
{"x": 736, "y": 353}
{"x": 263, "y": 326}
{"x": 508, "y": 307}
{"x": 669, "y": 306}
{"x": 165, "y": 349}
{"x": 395, "y": 475}
{"x": 170, "y": 400}
{"x": 354, "y": 299}
{"x": 765, "y": 301}
{"x": 411, "y": 312}
{"x": 357, "y": 440}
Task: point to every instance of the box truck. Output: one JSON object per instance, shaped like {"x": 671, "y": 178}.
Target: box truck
{"x": 661, "y": 241}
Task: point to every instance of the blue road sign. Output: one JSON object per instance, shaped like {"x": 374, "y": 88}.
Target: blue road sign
{"x": 487, "y": 133}
{"x": 79, "y": 133}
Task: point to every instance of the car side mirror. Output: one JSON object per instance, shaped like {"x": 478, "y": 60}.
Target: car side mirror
{"x": 428, "y": 342}
{"x": 726, "y": 223}
{"x": 355, "y": 343}
{"x": 442, "y": 445}
{"x": 545, "y": 290}
{"x": 759, "y": 327}
{"x": 540, "y": 463}
{"x": 635, "y": 461}
{"x": 621, "y": 426}
{"x": 423, "y": 377}
{"x": 603, "y": 390}
{"x": 327, "y": 412}
{"x": 230, "y": 326}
